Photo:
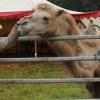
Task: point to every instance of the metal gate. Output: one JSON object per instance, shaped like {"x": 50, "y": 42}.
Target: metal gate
{"x": 46, "y": 59}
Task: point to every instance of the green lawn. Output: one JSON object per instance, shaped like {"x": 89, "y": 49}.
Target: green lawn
{"x": 39, "y": 91}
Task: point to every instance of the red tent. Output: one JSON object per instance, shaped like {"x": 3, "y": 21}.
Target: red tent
{"x": 88, "y": 15}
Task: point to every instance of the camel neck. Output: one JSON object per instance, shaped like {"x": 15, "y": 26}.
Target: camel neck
{"x": 13, "y": 36}
{"x": 9, "y": 41}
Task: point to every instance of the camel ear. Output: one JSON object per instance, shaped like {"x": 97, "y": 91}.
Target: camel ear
{"x": 43, "y": 6}
{"x": 60, "y": 12}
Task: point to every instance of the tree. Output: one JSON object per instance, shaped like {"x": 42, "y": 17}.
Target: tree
{"x": 78, "y": 5}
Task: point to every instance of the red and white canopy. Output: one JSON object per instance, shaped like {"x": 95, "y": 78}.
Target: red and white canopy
{"x": 15, "y": 9}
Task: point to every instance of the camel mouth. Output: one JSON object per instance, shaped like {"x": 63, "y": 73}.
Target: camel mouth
{"x": 24, "y": 33}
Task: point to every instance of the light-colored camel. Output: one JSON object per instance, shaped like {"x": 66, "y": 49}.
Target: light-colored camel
{"x": 48, "y": 21}
{"x": 10, "y": 40}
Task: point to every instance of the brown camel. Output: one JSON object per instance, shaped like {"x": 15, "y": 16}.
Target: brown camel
{"x": 48, "y": 21}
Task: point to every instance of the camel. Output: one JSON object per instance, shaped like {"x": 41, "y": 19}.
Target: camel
{"x": 48, "y": 21}
{"x": 10, "y": 40}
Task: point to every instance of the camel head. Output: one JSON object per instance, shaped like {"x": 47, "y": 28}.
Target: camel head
{"x": 24, "y": 25}
{"x": 42, "y": 21}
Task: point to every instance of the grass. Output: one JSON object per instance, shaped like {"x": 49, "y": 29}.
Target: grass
{"x": 39, "y": 91}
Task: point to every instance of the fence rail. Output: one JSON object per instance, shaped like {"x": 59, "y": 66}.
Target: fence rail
{"x": 46, "y": 59}
{"x": 72, "y": 37}
{"x": 35, "y": 81}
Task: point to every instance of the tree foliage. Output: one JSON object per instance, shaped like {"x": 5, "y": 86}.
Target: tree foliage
{"x": 78, "y": 5}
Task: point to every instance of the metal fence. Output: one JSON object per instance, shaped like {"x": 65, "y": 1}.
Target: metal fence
{"x": 45, "y": 59}
{"x": 38, "y": 81}
{"x": 72, "y": 37}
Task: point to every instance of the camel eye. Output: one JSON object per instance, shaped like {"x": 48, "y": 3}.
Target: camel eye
{"x": 24, "y": 23}
{"x": 45, "y": 18}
